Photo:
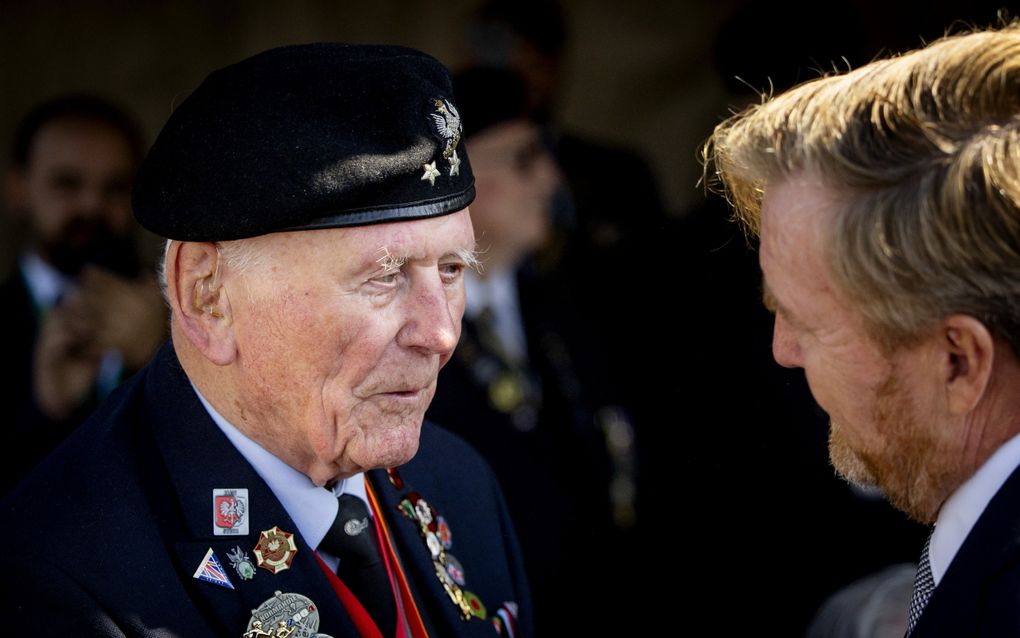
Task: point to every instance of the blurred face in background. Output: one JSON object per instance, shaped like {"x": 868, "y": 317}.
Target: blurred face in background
{"x": 75, "y": 191}
{"x": 515, "y": 180}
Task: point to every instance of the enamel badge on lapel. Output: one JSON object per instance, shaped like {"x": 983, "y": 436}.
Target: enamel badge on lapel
{"x": 284, "y": 616}
{"x": 448, "y": 571}
{"x": 455, "y": 569}
{"x": 241, "y": 563}
{"x": 211, "y": 571}
{"x": 394, "y": 476}
{"x": 275, "y": 550}
{"x": 230, "y": 512}
{"x": 505, "y": 620}
{"x": 443, "y": 532}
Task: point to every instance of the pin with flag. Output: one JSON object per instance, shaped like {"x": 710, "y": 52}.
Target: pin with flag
{"x": 211, "y": 571}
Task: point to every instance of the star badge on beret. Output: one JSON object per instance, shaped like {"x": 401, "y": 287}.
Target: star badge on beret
{"x": 431, "y": 173}
{"x": 447, "y": 124}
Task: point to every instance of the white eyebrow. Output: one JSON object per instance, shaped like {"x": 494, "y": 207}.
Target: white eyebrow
{"x": 470, "y": 258}
{"x": 388, "y": 261}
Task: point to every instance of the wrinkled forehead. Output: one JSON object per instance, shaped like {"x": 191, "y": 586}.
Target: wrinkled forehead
{"x": 408, "y": 241}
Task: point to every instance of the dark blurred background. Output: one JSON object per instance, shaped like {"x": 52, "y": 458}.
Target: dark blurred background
{"x": 649, "y": 75}
{"x": 740, "y": 521}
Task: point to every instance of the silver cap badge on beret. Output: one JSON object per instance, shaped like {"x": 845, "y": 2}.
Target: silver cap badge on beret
{"x": 447, "y": 124}
{"x": 447, "y": 121}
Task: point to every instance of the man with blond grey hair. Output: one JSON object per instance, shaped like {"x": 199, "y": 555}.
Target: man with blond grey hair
{"x": 269, "y": 474}
{"x": 887, "y": 203}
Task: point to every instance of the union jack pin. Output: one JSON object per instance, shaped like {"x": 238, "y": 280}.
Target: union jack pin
{"x": 211, "y": 571}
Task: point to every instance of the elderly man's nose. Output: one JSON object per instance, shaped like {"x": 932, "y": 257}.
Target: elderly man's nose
{"x": 431, "y": 325}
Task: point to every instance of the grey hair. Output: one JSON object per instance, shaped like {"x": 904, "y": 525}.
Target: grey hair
{"x": 239, "y": 255}
{"x": 470, "y": 258}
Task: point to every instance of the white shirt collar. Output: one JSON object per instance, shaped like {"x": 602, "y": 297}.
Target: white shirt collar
{"x": 45, "y": 283}
{"x": 312, "y": 508}
{"x": 498, "y": 288}
{"x": 963, "y": 508}
{"x": 498, "y": 292}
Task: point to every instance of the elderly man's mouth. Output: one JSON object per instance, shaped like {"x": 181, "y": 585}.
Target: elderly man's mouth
{"x": 404, "y": 396}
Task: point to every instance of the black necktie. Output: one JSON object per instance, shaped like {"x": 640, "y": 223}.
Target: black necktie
{"x": 488, "y": 334}
{"x": 352, "y": 540}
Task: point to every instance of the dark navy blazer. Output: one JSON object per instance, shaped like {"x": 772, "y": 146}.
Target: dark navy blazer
{"x": 979, "y": 595}
{"x": 104, "y": 538}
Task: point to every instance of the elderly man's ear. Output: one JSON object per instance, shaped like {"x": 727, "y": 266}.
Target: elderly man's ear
{"x": 198, "y": 300}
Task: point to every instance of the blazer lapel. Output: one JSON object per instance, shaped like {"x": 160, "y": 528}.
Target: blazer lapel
{"x": 202, "y": 463}
{"x": 443, "y": 616}
{"x": 956, "y": 603}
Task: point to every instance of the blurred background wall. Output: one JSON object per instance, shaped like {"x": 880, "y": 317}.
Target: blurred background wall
{"x": 751, "y": 481}
{"x": 650, "y": 75}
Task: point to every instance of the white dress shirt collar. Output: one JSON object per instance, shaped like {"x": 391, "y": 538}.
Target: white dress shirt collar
{"x": 45, "y": 283}
{"x": 963, "y": 508}
{"x": 312, "y": 508}
{"x": 498, "y": 292}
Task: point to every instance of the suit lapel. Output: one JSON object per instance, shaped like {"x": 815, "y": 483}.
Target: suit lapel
{"x": 439, "y": 614}
{"x": 955, "y": 606}
{"x": 199, "y": 460}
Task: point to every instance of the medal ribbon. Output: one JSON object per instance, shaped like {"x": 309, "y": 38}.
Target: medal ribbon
{"x": 362, "y": 621}
{"x": 408, "y": 615}
{"x": 409, "y": 610}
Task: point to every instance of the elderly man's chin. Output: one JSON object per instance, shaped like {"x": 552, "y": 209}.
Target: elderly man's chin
{"x": 378, "y": 446}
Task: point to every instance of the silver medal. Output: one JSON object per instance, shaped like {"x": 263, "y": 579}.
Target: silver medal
{"x": 292, "y": 615}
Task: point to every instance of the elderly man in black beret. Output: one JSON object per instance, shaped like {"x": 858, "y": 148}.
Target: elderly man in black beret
{"x": 269, "y": 473}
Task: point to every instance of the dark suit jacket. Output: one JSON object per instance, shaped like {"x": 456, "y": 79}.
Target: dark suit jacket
{"x": 110, "y": 528}
{"x": 556, "y": 475}
{"x": 979, "y": 595}
{"x": 27, "y": 429}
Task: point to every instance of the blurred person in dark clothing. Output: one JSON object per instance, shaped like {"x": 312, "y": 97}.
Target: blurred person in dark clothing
{"x": 79, "y": 311}
{"x": 526, "y": 385}
{"x": 609, "y": 205}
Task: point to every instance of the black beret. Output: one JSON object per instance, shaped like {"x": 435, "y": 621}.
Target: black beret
{"x": 303, "y": 137}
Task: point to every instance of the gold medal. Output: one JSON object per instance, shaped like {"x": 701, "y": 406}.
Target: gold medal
{"x": 455, "y": 593}
{"x": 275, "y": 550}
